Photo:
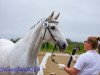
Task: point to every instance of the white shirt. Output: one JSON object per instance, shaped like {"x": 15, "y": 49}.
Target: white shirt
{"x": 88, "y": 63}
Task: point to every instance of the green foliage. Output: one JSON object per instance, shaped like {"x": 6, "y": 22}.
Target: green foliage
{"x": 48, "y": 47}
{"x": 73, "y": 44}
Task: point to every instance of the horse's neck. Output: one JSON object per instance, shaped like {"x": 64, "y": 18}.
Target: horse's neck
{"x": 32, "y": 36}
{"x": 37, "y": 46}
{"x": 33, "y": 49}
{"x": 26, "y": 46}
{"x": 33, "y": 54}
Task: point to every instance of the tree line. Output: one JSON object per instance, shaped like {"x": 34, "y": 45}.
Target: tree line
{"x": 46, "y": 46}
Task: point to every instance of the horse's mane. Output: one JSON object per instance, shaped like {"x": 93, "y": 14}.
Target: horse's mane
{"x": 34, "y": 25}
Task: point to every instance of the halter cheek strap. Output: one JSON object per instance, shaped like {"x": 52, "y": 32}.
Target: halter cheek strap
{"x": 47, "y": 28}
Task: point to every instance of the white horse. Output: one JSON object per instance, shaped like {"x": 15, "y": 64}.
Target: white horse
{"x": 21, "y": 57}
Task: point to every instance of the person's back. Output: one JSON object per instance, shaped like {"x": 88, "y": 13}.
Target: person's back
{"x": 91, "y": 61}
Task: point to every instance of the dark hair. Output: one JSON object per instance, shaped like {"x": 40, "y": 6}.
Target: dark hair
{"x": 99, "y": 48}
{"x": 94, "y": 41}
{"x": 98, "y": 38}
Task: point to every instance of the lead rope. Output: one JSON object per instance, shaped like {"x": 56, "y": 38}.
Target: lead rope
{"x": 53, "y": 55}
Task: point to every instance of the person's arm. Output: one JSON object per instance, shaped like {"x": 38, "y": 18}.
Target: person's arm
{"x": 71, "y": 71}
{"x": 81, "y": 61}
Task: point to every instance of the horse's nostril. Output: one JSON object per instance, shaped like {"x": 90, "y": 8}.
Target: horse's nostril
{"x": 64, "y": 45}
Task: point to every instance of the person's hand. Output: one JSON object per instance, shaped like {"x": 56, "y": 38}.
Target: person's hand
{"x": 61, "y": 66}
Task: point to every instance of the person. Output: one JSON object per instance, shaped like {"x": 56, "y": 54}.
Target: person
{"x": 88, "y": 63}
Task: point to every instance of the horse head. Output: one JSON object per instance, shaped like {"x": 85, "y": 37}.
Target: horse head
{"x": 50, "y": 32}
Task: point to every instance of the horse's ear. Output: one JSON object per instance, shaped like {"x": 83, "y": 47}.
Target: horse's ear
{"x": 51, "y": 15}
{"x": 56, "y": 17}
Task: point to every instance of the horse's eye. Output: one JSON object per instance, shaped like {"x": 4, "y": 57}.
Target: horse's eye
{"x": 52, "y": 27}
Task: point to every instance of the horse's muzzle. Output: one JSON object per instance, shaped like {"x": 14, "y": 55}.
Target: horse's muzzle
{"x": 62, "y": 45}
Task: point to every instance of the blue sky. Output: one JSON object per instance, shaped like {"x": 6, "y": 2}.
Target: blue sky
{"x": 78, "y": 18}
